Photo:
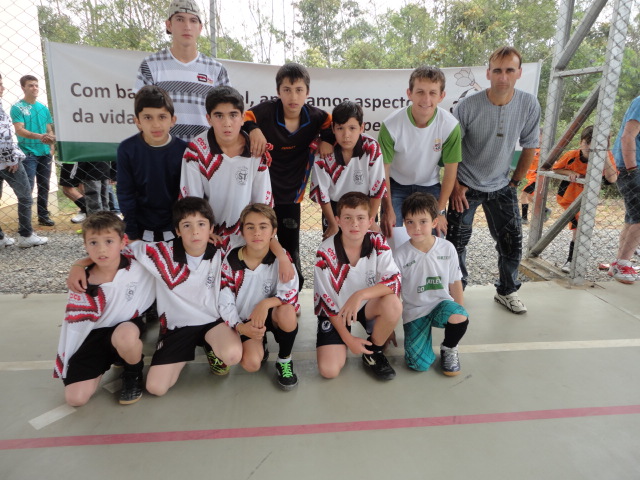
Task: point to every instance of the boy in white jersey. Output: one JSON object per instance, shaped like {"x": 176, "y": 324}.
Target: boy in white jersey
{"x": 356, "y": 166}
{"x": 432, "y": 289}
{"x": 252, "y": 299}
{"x": 187, "y": 274}
{"x": 102, "y": 325}
{"x": 355, "y": 280}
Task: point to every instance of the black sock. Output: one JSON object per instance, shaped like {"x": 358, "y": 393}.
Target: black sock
{"x": 285, "y": 342}
{"x": 81, "y": 204}
{"x": 134, "y": 368}
{"x": 525, "y": 210}
{"x": 373, "y": 347}
{"x": 453, "y": 332}
{"x": 571, "y": 245}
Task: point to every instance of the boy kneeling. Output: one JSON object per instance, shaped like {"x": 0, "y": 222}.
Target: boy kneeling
{"x": 254, "y": 301}
{"x": 432, "y": 293}
{"x": 356, "y": 280}
{"x": 102, "y": 325}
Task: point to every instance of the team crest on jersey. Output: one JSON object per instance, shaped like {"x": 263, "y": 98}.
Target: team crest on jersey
{"x": 131, "y": 290}
{"x": 242, "y": 175}
{"x": 326, "y": 326}
{"x": 437, "y": 145}
{"x": 371, "y": 278}
{"x": 358, "y": 177}
{"x": 267, "y": 286}
{"x": 210, "y": 280}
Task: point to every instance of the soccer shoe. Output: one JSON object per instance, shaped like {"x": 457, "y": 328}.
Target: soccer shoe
{"x": 79, "y": 217}
{"x": 566, "y": 267}
{"x": 512, "y": 302}
{"x": 287, "y": 379}
{"x": 6, "y": 241}
{"x": 378, "y": 364}
{"x": 623, "y": 273}
{"x": 216, "y": 366}
{"x": 265, "y": 347}
{"x": 449, "y": 361}
{"x": 46, "y": 222}
{"x": 131, "y": 387}
{"x": 32, "y": 241}
{"x": 525, "y": 221}
{"x": 547, "y": 213}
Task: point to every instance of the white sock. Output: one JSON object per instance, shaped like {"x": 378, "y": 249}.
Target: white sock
{"x": 284, "y": 360}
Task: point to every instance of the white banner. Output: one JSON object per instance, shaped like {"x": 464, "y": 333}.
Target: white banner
{"x": 92, "y": 89}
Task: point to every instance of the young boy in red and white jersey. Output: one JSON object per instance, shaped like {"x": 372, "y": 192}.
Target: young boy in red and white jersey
{"x": 254, "y": 301}
{"x": 102, "y": 325}
{"x": 355, "y": 166}
{"x": 355, "y": 280}
{"x": 432, "y": 288}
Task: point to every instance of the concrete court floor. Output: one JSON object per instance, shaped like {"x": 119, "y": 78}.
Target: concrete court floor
{"x": 553, "y": 394}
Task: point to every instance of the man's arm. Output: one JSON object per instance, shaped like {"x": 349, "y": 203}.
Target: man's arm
{"x": 456, "y": 291}
{"x": 526, "y": 157}
{"x": 628, "y": 143}
{"x": 24, "y": 133}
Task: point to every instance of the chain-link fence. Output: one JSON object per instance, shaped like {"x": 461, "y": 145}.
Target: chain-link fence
{"x": 43, "y": 269}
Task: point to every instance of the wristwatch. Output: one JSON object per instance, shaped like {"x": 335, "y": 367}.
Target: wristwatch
{"x": 442, "y": 212}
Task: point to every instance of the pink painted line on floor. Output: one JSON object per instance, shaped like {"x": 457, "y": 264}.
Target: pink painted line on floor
{"x": 285, "y": 430}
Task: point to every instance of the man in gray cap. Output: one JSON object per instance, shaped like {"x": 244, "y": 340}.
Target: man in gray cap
{"x": 186, "y": 74}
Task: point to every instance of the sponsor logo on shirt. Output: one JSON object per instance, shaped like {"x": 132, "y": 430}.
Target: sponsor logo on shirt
{"x": 437, "y": 145}
{"x": 443, "y": 257}
{"x": 431, "y": 283}
{"x": 409, "y": 264}
{"x": 202, "y": 77}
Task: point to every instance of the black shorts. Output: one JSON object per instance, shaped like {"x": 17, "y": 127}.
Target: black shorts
{"x": 179, "y": 344}
{"x": 328, "y": 335}
{"x": 270, "y": 327}
{"x": 96, "y": 355}
{"x": 530, "y": 188}
{"x": 71, "y": 174}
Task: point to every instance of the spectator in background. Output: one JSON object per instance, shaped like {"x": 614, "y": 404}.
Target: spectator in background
{"x": 34, "y": 128}
{"x": 626, "y": 151}
{"x": 12, "y": 170}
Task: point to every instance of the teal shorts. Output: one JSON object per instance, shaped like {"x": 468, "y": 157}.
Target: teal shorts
{"x": 418, "y": 348}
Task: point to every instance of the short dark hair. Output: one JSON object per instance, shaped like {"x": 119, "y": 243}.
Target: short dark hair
{"x": 353, "y": 200}
{"x": 27, "y": 78}
{"x": 101, "y": 222}
{"x": 292, "y": 71}
{"x": 503, "y": 52}
{"x": 262, "y": 209}
{"x": 151, "y": 96}
{"x": 346, "y": 110}
{"x": 419, "y": 202}
{"x": 587, "y": 134}
{"x": 190, "y": 206}
{"x": 224, "y": 94}
{"x": 432, "y": 74}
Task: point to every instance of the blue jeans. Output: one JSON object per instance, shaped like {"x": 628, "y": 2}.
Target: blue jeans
{"x": 39, "y": 172}
{"x": 19, "y": 182}
{"x": 503, "y": 216}
{"x": 399, "y": 192}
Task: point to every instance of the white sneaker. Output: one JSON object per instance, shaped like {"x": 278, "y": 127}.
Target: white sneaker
{"x": 512, "y": 302}
{"x": 566, "y": 267}
{"x": 32, "y": 241}
{"x": 6, "y": 242}
{"x": 79, "y": 217}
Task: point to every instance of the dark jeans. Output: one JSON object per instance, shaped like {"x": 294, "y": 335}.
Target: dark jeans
{"x": 503, "y": 216}
{"x": 39, "y": 172}
{"x": 399, "y": 192}
{"x": 19, "y": 182}
{"x": 289, "y": 233}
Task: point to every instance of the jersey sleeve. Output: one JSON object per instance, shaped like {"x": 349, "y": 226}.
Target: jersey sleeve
{"x": 530, "y": 135}
{"x": 144, "y": 76}
{"x": 16, "y": 114}
{"x": 287, "y": 292}
{"x": 387, "y": 271}
{"x": 387, "y": 144}
{"x": 261, "y": 191}
{"x": 326, "y": 134}
{"x": 377, "y": 180}
{"x": 455, "y": 273}
{"x": 452, "y": 147}
{"x": 227, "y": 299}
{"x": 320, "y": 181}
{"x": 324, "y": 299}
{"x": 563, "y": 161}
{"x": 223, "y": 77}
{"x": 191, "y": 180}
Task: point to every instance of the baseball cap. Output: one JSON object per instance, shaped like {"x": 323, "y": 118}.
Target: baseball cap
{"x": 184, "y": 6}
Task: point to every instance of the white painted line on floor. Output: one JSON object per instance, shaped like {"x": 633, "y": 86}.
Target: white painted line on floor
{"x": 398, "y": 351}
{"x": 51, "y": 416}
{"x": 113, "y": 387}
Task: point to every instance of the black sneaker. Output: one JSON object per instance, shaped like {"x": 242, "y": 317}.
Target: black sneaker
{"x": 46, "y": 222}
{"x": 265, "y": 356}
{"x": 449, "y": 361}
{"x": 378, "y": 364}
{"x": 131, "y": 387}
{"x": 287, "y": 379}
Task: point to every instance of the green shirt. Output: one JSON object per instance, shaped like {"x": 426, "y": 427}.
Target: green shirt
{"x": 35, "y": 118}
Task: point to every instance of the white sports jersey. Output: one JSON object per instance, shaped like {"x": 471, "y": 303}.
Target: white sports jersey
{"x": 187, "y": 84}
{"x": 331, "y": 178}
{"x": 229, "y": 184}
{"x": 242, "y": 288}
{"x": 126, "y": 297}
{"x": 426, "y": 277}
{"x": 335, "y": 280}
{"x": 185, "y": 297}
